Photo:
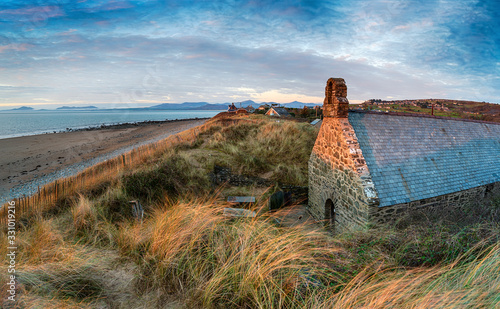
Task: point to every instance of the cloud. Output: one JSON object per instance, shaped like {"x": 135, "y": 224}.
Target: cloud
{"x": 131, "y": 51}
{"x": 31, "y": 13}
{"x": 261, "y": 73}
{"x": 110, "y": 6}
{"x": 16, "y": 47}
{"x": 283, "y": 96}
{"x": 50, "y": 11}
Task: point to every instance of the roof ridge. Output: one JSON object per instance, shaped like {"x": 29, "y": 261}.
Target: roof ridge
{"x": 419, "y": 115}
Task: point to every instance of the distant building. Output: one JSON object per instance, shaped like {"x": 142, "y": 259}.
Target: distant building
{"x": 317, "y": 123}
{"x": 278, "y": 112}
{"x": 231, "y": 108}
{"x": 241, "y": 111}
{"x": 250, "y": 109}
{"x": 371, "y": 167}
{"x": 263, "y": 107}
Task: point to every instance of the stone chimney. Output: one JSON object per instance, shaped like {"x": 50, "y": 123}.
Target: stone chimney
{"x": 335, "y": 104}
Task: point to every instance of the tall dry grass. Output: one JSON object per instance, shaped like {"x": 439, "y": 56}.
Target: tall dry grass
{"x": 471, "y": 285}
{"x": 50, "y": 269}
{"x": 190, "y": 248}
{"x": 92, "y": 224}
{"x": 280, "y": 147}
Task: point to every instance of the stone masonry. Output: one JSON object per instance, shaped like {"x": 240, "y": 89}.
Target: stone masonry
{"x": 337, "y": 170}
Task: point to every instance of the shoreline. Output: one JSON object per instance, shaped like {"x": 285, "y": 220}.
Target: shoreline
{"x": 107, "y": 126}
{"x": 28, "y": 162}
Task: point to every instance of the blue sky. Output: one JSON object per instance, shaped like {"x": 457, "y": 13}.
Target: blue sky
{"x": 140, "y": 53}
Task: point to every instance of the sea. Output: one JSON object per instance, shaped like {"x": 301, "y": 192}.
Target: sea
{"x": 23, "y": 123}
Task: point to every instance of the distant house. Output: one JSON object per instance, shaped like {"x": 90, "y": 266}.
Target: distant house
{"x": 241, "y": 111}
{"x": 278, "y": 112}
{"x": 263, "y": 107}
{"x": 317, "y": 123}
{"x": 250, "y": 109}
{"x": 231, "y": 108}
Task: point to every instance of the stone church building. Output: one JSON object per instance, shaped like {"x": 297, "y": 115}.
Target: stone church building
{"x": 368, "y": 167}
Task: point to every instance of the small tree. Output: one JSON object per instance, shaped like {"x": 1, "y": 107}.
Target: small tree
{"x": 304, "y": 112}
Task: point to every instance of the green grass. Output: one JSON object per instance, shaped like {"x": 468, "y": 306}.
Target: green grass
{"x": 171, "y": 176}
{"x": 280, "y": 147}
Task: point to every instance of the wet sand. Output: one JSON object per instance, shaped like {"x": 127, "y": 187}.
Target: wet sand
{"x": 27, "y": 158}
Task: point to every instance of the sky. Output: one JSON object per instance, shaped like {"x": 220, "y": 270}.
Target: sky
{"x": 142, "y": 53}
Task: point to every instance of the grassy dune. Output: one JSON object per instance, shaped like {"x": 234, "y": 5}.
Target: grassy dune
{"x": 81, "y": 247}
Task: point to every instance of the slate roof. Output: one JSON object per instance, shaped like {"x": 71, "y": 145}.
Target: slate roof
{"x": 280, "y": 111}
{"x": 413, "y": 158}
{"x": 317, "y": 122}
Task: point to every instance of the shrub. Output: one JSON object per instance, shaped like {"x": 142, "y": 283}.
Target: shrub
{"x": 114, "y": 205}
{"x": 172, "y": 177}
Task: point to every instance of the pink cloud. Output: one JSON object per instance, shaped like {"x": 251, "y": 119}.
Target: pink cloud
{"x": 111, "y": 6}
{"x": 193, "y": 56}
{"x": 69, "y": 32}
{"x": 102, "y": 23}
{"x": 18, "y": 47}
{"x": 35, "y": 13}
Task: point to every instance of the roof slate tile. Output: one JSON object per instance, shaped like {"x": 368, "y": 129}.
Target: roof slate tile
{"x": 432, "y": 156}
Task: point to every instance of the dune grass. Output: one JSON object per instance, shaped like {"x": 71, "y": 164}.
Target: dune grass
{"x": 279, "y": 147}
{"x": 252, "y": 145}
{"x": 190, "y": 248}
{"x": 471, "y": 285}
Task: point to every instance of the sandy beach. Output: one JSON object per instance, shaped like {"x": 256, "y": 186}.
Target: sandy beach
{"x": 27, "y": 158}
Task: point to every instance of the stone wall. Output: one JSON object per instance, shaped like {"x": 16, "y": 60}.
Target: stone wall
{"x": 338, "y": 174}
{"x": 337, "y": 171}
{"x": 481, "y": 194}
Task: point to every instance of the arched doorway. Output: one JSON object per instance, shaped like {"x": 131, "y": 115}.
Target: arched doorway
{"x": 330, "y": 213}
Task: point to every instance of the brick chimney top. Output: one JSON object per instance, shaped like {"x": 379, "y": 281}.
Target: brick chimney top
{"x": 335, "y": 104}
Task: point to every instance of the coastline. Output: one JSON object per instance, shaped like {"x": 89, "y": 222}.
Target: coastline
{"x": 119, "y": 125}
{"x": 27, "y": 162}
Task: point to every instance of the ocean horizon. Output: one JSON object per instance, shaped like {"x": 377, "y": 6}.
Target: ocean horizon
{"x": 26, "y": 123}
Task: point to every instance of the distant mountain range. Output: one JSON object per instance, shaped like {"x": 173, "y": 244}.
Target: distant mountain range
{"x": 183, "y": 106}
{"x": 223, "y": 106}
{"x": 27, "y": 108}
{"x": 22, "y": 108}
{"x": 76, "y": 107}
